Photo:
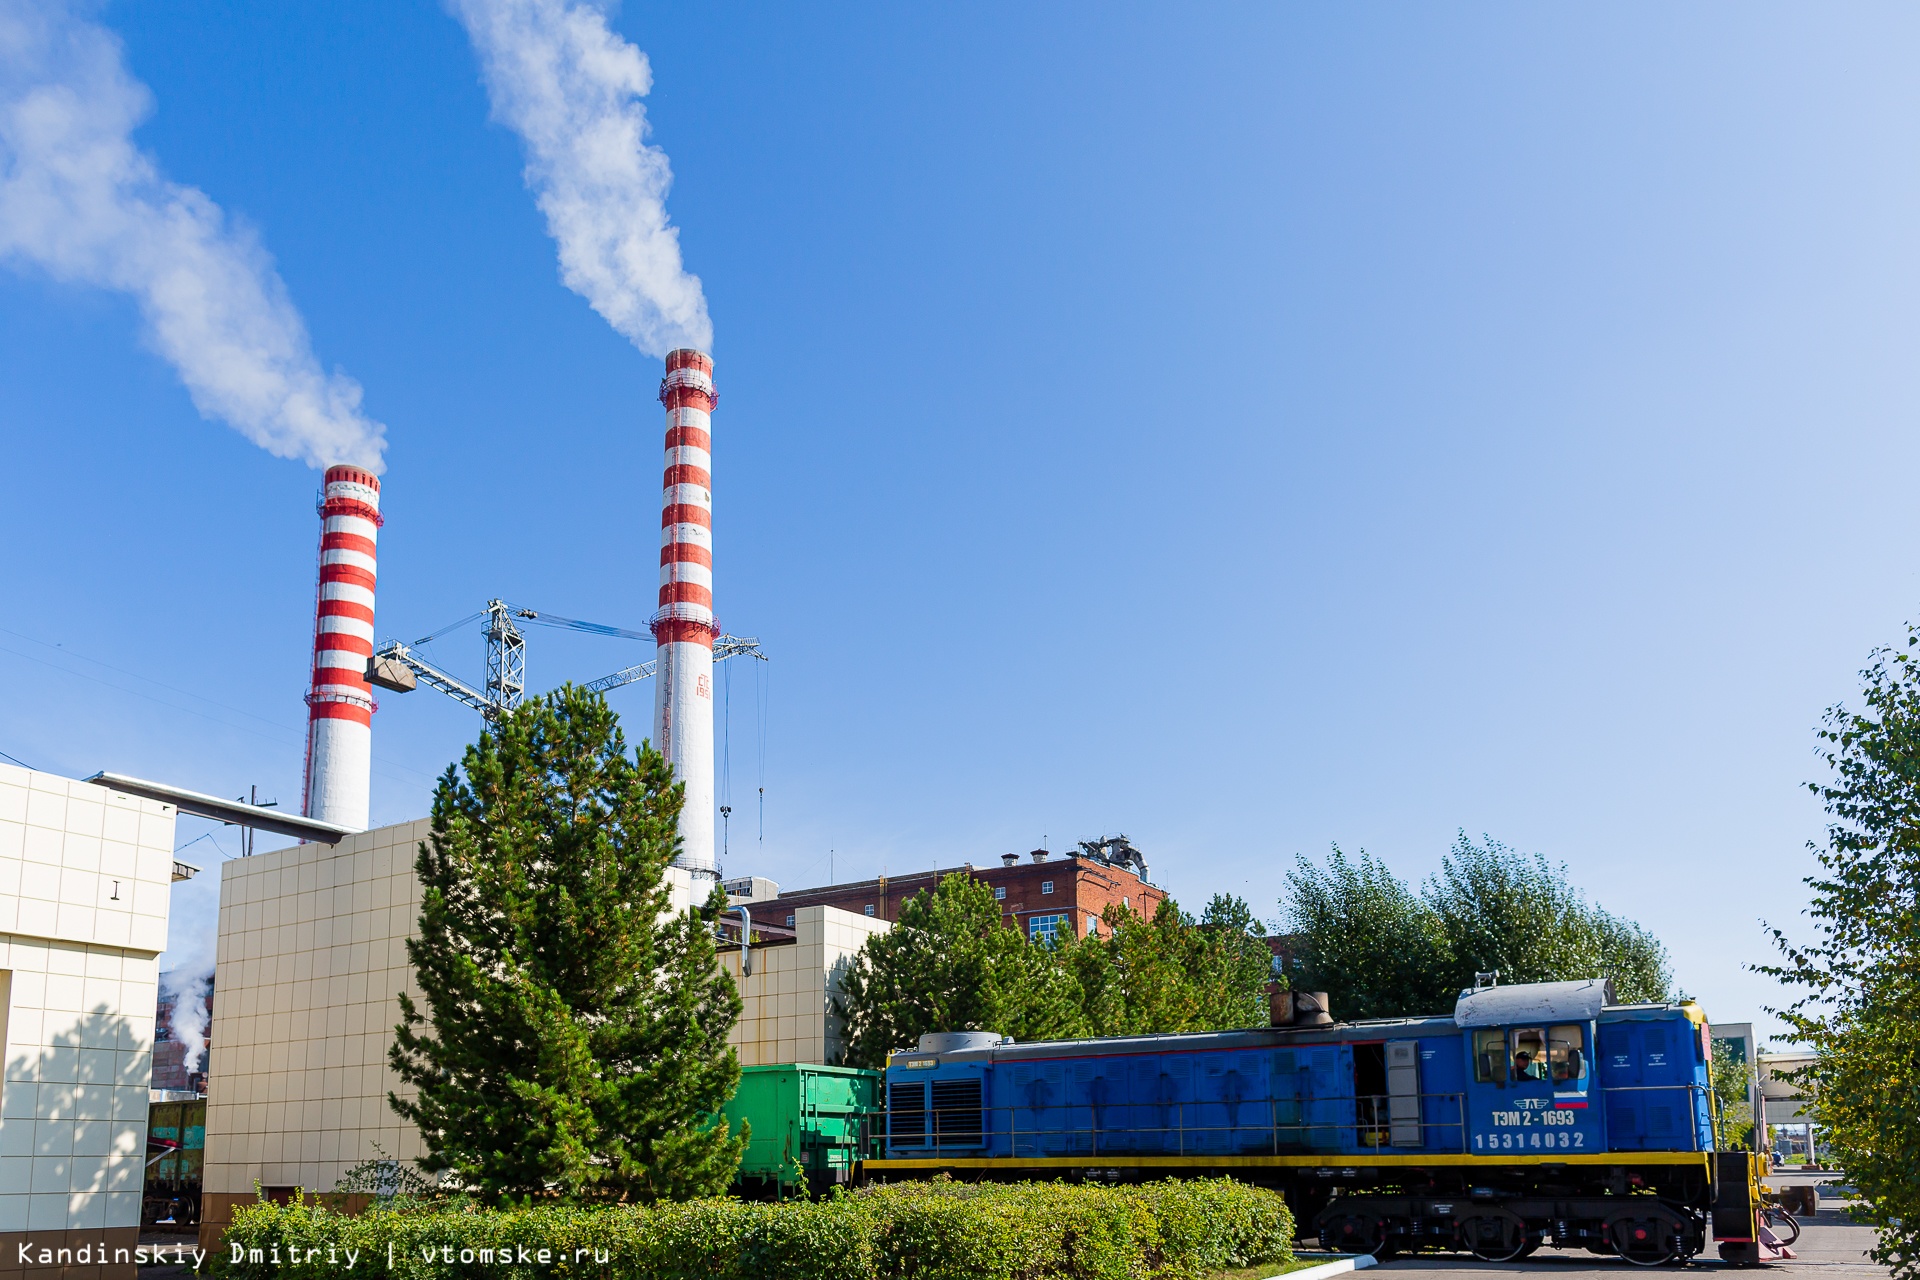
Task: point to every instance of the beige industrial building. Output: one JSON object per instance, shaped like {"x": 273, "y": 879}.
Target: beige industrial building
{"x": 311, "y": 958}
{"x": 85, "y": 874}
{"x": 785, "y": 1013}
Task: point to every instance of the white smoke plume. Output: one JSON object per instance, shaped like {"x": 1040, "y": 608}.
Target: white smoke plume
{"x": 571, "y": 89}
{"x": 189, "y": 988}
{"x": 81, "y": 202}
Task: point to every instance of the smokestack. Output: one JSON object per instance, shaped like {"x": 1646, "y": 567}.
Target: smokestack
{"x": 684, "y": 627}
{"x": 340, "y": 706}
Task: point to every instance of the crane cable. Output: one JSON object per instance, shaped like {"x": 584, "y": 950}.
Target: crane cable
{"x": 726, "y": 761}
{"x": 760, "y": 732}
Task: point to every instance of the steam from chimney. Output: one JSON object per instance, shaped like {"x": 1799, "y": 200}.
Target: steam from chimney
{"x": 81, "y": 202}
{"x": 571, "y": 89}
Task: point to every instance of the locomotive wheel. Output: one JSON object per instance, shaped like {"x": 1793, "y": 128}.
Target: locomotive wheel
{"x": 1356, "y": 1233}
{"x": 1645, "y": 1242}
{"x": 1496, "y": 1238}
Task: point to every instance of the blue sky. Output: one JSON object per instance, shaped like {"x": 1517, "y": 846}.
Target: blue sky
{"x": 1247, "y": 429}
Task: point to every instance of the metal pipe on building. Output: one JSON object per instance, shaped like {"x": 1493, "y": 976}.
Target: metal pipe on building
{"x": 340, "y": 703}
{"x": 684, "y": 625}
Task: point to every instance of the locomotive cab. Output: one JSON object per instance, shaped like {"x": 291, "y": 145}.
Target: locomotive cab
{"x": 1531, "y": 1068}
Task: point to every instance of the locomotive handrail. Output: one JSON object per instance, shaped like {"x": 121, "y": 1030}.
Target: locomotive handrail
{"x": 932, "y": 1137}
{"x": 1379, "y": 1122}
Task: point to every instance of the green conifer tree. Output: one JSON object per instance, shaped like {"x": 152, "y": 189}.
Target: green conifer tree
{"x": 574, "y": 1040}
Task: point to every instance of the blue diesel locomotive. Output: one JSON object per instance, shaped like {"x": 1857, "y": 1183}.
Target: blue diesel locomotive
{"x": 1535, "y": 1114}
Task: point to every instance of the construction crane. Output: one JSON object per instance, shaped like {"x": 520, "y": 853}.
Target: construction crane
{"x": 397, "y": 667}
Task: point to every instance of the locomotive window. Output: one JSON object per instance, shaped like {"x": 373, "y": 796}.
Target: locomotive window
{"x": 1490, "y": 1056}
{"x": 1567, "y": 1049}
{"x": 1529, "y": 1053}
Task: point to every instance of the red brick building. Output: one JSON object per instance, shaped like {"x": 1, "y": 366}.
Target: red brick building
{"x": 1039, "y": 893}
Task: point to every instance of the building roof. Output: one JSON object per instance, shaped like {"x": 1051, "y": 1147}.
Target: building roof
{"x": 967, "y": 868}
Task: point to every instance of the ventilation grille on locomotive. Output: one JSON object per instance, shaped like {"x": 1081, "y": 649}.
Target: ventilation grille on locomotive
{"x": 957, "y": 1118}
{"x": 907, "y": 1113}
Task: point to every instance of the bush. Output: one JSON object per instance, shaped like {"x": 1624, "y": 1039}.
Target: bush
{"x": 1219, "y": 1224}
{"x": 913, "y": 1231}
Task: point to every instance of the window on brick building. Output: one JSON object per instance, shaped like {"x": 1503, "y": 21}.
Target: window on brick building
{"x": 1045, "y": 928}
{"x": 1000, "y": 892}
{"x": 869, "y": 908}
{"x": 1046, "y": 886}
{"x": 1093, "y": 924}
{"x": 789, "y": 920}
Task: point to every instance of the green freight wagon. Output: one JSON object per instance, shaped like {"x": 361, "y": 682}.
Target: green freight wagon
{"x": 812, "y": 1126}
{"x": 176, "y": 1149}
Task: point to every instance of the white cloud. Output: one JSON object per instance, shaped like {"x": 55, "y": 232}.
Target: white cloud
{"x": 80, "y": 201}
{"x": 571, "y": 89}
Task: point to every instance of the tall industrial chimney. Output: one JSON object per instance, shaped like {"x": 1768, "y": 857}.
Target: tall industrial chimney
{"x": 684, "y": 627}
{"x": 340, "y": 706}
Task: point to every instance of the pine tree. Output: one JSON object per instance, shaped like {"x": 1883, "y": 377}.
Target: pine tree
{"x": 575, "y": 1034}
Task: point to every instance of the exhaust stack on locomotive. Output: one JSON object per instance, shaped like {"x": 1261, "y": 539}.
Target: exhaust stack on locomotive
{"x": 1299, "y": 1009}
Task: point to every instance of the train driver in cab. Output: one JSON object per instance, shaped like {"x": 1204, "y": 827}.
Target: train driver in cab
{"x": 1529, "y": 1057}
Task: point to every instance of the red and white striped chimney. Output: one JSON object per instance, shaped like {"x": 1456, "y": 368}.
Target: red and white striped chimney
{"x": 340, "y": 706}
{"x": 684, "y": 627}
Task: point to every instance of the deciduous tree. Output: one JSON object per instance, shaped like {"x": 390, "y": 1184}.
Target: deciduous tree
{"x": 949, "y": 964}
{"x": 1730, "y": 1081}
{"x": 1517, "y": 914}
{"x": 1363, "y": 936}
{"x": 1379, "y": 949}
{"x": 1859, "y": 974}
{"x": 1170, "y": 973}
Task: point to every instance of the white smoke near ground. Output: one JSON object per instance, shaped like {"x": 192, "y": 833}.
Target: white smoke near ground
{"x": 81, "y": 202}
{"x": 189, "y": 1019}
{"x": 571, "y": 88}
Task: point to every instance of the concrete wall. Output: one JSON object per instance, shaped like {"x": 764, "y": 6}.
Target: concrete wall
{"x": 312, "y": 956}
{"x": 85, "y": 877}
{"x": 787, "y": 999}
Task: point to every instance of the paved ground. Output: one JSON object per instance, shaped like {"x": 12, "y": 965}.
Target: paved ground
{"x": 1831, "y": 1247}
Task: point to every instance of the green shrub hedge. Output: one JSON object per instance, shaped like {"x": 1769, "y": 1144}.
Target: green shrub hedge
{"x": 911, "y": 1231}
